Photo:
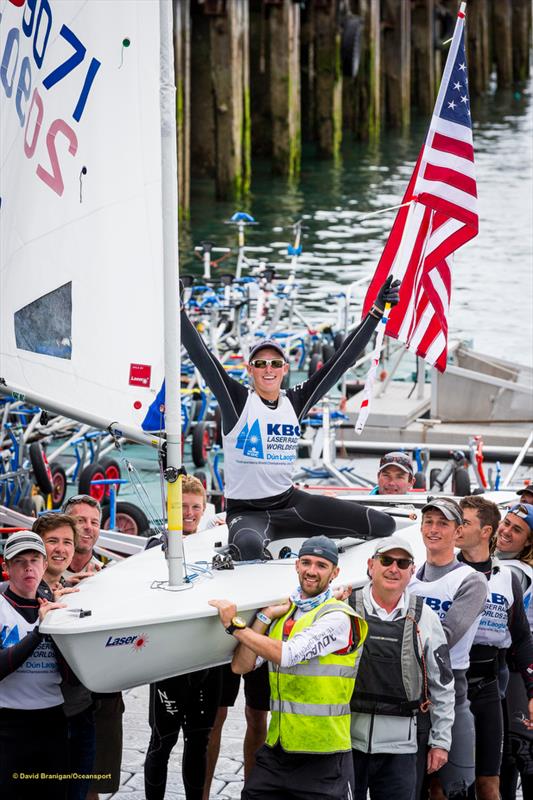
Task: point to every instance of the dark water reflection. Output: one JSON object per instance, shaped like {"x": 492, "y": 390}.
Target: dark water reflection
{"x": 493, "y": 283}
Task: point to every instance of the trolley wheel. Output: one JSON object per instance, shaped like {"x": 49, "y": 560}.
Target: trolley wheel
{"x": 433, "y": 475}
{"x": 328, "y": 350}
{"x": 351, "y": 46}
{"x": 201, "y": 443}
{"x": 338, "y": 340}
{"x": 202, "y": 477}
{"x": 216, "y": 416}
{"x": 129, "y": 519}
{"x": 112, "y": 472}
{"x": 59, "y": 485}
{"x": 461, "y": 482}
{"x": 315, "y": 363}
{"x": 219, "y": 501}
{"x": 92, "y": 472}
{"x": 41, "y": 468}
{"x": 286, "y": 382}
{"x": 420, "y": 480}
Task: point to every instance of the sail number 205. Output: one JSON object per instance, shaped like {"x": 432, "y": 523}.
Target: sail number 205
{"x": 17, "y": 76}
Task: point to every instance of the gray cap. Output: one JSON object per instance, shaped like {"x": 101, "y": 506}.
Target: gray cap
{"x": 21, "y": 542}
{"x": 393, "y": 543}
{"x": 397, "y": 459}
{"x": 264, "y": 343}
{"x": 320, "y": 546}
{"x": 447, "y": 506}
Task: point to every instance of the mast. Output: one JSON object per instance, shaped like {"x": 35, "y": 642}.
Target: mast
{"x": 169, "y": 196}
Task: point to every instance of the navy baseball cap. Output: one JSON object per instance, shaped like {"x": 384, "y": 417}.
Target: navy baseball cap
{"x": 264, "y": 343}
{"x": 320, "y": 546}
{"x": 524, "y": 511}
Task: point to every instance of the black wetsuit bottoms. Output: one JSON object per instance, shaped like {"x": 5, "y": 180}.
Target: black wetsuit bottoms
{"x": 278, "y": 775}
{"x": 33, "y": 748}
{"x": 518, "y": 741}
{"x": 485, "y": 705}
{"x": 253, "y": 523}
{"x": 385, "y": 775}
{"x": 187, "y": 702}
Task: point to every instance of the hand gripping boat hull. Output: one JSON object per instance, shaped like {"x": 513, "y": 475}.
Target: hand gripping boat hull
{"x": 140, "y": 631}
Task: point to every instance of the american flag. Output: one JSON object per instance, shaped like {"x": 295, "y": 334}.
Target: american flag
{"x": 440, "y": 216}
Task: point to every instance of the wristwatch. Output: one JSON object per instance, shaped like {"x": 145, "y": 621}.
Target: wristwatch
{"x": 237, "y": 624}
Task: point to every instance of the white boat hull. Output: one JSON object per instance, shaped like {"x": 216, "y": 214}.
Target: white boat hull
{"x": 140, "y": 631}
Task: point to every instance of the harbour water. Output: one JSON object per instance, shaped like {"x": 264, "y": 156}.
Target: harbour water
{"x": 492, "y": 275}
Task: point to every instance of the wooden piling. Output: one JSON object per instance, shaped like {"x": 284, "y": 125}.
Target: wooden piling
{"x": 423, "y": 54}
{"x": 328, "y": 78}
{"x": 374, "y": 68}
{"x": 396, "y": 30}
{"x": 284, "y": 36}
{"x": 502, "y": 13}
{"x": 229, "y": 64}
{"x": 478, "y": 42}
{"x": 182, "y": 72}
{"x": 202, "y": 140}
{"x": 521, "y": 38}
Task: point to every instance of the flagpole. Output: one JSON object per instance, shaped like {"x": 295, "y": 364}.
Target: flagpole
{"x": 364, "y": 410}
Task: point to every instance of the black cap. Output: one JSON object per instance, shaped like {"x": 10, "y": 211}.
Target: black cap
{"x": 264, "y": 343}
{"x": 320, "y": 546}
{"x": 447, "y": 506}
{"x": 525, "y": 490}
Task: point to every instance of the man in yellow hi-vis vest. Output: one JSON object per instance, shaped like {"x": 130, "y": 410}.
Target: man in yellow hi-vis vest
{"x": 312, "y": 644}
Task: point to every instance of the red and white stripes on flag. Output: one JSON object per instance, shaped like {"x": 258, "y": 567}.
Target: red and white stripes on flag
{"x": 441, "y": 215}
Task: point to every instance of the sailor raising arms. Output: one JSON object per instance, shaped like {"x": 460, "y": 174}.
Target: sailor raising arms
{"x": 261, "y": 432}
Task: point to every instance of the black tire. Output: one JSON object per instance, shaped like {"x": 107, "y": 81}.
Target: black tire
{"x": 219, "y": 501}
{"x": 59, "y": 485}
{"x": 420, "y": 480}
{"x": 202, "y": 477}
{"x": 286, "y": 382}
{"x": 328, "y": 350}
{"x": 351, "y": 46}
{"x": 201, "y": 443}
{"x": 338, "y": 340}
{"x": 461, "y": 482}
{"x": 112, "y": 472}
{"x": 41, "y": 468}
{"x": 316, "y": 348}
{"x": 129, "y": 519}
{"x": 26, "y": 506}
{"x": 92, "y": 472}
{"x": 315, "y": 363}
{"x": 433, "y": 475}
{"x": 216, "y": 417}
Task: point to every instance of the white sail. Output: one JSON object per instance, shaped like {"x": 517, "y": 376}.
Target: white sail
{"x": 81, "y": 283}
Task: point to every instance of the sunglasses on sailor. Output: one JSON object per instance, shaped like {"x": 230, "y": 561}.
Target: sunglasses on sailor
{"x": 388, "y": 561}
{"x": 261, "y": 363}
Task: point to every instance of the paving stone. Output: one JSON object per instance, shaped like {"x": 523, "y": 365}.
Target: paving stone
{"x": 228, "y": 781}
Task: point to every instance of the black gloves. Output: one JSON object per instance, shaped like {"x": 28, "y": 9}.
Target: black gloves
{"x": 389, "y": 293}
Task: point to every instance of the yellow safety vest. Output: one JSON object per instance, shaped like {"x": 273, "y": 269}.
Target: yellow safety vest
{"x": 310, "y": 702}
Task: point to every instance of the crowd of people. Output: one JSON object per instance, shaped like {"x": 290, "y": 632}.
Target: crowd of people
{"x": 419, "y": 684}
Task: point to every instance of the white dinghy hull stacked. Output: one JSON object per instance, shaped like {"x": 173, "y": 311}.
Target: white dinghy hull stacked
{"x": 139, "y": 631}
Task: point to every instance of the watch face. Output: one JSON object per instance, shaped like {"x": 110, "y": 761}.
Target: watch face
{"x": 239, "y": 622}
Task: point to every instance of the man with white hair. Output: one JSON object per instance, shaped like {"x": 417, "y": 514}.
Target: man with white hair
{"x": 404, "y": 668}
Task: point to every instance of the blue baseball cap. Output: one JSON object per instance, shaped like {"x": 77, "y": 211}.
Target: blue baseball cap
{"x": 524, "y": 511}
